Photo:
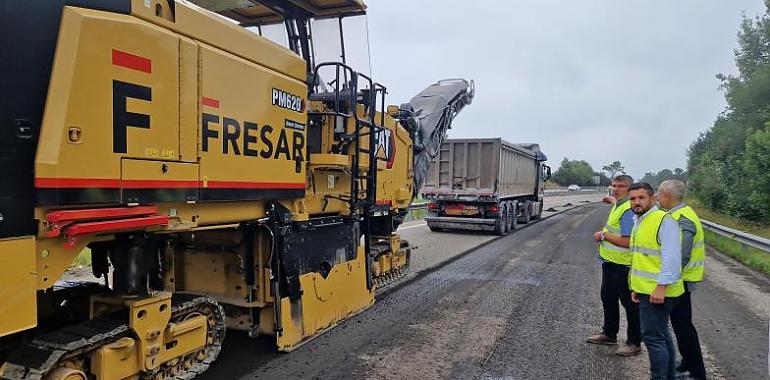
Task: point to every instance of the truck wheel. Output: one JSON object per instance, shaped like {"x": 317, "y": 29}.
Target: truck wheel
{"x": 539, "y": 211}
{"x": 513, "y": 217}
{"x": 501, "y": 223}
{"x": 526, "y": 215}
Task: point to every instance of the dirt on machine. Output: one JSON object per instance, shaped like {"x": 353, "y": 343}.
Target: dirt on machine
{"x": 484, "y": 184}
{"x": 221, "y": 168}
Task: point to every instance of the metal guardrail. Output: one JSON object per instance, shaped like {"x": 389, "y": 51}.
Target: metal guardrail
{"x": 418, "y": 206}
{"x": 746, "y": 239}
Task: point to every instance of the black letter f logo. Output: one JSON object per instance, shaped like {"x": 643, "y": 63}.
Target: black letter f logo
{"x": 122, "y": 119}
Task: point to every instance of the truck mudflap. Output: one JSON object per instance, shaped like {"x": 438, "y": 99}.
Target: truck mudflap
{"x": 448, "y": 222}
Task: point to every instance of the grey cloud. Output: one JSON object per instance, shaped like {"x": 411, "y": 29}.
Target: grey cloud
{"x": 598, "y": 80}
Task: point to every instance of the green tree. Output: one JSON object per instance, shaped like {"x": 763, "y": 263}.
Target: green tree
{"x": 655, "y": 179}
{"x": 613, "y": 169}
{"x": 576, "y": 172}
{"x": 729, "y": 165}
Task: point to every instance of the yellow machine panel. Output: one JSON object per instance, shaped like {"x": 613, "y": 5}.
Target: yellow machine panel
{"x": 87, "y": 132}
{"x": 324, "y": 302}
{"x": 252, "y": 130}
{"x": 215, "y": 179}
{"x": 165, "y": 181}
{"x": 17, "y": 285}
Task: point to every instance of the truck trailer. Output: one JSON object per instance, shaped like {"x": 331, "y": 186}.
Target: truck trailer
{"x": 485, "y": 184}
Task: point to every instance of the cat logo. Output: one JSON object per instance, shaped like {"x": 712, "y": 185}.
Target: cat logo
{"x": 386, "y": 146}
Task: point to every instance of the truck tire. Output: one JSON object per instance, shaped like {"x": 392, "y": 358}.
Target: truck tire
{"x": 501, "y": 227}
{"x": 539, "y": 210}
{"x": 513, "y": 217}
{"x": 526, "y": 215}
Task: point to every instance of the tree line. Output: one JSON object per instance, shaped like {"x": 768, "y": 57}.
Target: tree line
{"x": 729, "y": 164}
{"x": 581, "y": 173}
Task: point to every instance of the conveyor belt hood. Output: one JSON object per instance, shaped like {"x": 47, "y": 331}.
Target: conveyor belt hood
{"x": 429, "y": 115}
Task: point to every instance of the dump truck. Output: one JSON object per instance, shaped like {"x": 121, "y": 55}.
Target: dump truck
{"x": 216, "y": 178}
{"x": 485, "y": 184}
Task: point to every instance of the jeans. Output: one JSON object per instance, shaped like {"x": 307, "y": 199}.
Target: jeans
{"x": 654, "y": 318}
{"x": 687, "y": 337}
{"x": 614, "y": 289}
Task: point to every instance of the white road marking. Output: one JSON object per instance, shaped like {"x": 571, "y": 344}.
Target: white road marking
{"x": 414, "y": 226}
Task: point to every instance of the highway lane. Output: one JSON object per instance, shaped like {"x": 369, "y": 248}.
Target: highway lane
{"x": 432, "y": 248}
{"x": 517, "y": 308}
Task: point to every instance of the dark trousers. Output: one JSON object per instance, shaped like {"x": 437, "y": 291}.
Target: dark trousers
{"x": 614, "y": 289}
{"x": 687, "y": 337}
{"x": 654, "y": 318}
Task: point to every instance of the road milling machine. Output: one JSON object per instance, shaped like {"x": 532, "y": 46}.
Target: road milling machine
{"x": 219, "y": 178}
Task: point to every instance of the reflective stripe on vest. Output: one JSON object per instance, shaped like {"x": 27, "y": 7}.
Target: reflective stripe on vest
{"x": 609, "y": 246}
{"x": 609, "y": 251}
{"x": 646, "y": 257}
{"x": 694, "y": 270}
{"x": 644, "y": 274}
{"x": 695, "y": 264}
{"x": 646, "y": 251}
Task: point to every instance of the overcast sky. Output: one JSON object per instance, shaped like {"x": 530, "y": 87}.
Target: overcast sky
{"x": 598, "y": 80}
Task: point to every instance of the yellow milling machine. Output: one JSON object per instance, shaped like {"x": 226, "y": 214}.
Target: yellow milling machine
{"x": 220, "y": 180}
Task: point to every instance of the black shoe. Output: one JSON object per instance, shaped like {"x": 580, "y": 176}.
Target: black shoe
{"x": 681, "y": 366}
{"x": 687, "y": 376}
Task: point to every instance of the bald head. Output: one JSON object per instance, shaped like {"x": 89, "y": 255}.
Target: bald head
{"x": 670, "y": 193}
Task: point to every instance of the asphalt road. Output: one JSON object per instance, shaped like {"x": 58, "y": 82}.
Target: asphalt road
{"x": 432, "y": 248}
{"x": 519, "y": 307}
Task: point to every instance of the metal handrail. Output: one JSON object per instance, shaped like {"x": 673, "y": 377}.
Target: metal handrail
{"x": 744, "y": 238}
{"x": 418, "y": 206}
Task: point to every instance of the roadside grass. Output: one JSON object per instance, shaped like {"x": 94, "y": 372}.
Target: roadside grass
{"x": 729, "y": 221}
{"x": 83, "y": 259}
{"x": 751, "y": 257}
{"x": 550, "y": 185}
{"x": 416, "y": 214}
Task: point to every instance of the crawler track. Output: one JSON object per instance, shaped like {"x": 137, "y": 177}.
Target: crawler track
{"x": 72, "y": 344}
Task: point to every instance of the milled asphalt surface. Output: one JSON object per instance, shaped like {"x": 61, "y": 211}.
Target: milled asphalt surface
{"x": 432, "y": 248}
{"x": 519, "y": 307}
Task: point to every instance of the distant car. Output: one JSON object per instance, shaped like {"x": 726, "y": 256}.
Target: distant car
{"x": 573, "y": 187}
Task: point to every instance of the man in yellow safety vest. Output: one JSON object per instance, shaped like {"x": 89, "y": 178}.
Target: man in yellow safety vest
{"x": 615, "y": 258}
{"x": 670, "y": 196}
{"x": 655, "y": 277}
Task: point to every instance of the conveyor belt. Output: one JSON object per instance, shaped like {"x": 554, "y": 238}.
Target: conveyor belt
{"x": 429, "y": 115}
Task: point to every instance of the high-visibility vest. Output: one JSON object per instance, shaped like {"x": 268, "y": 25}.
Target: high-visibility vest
{"x": 609, "y": 251}
{"x": 645, "y": 257}
{"x": 693, "y": 270}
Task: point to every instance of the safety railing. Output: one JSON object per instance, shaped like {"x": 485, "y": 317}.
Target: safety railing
{"x": 416, "y": 211}
{"x": 745, "y": 239}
